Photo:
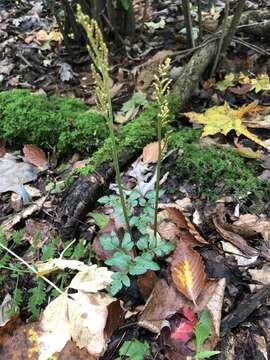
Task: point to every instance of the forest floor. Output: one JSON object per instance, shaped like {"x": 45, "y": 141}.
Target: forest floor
{"x": 208, "y": 273}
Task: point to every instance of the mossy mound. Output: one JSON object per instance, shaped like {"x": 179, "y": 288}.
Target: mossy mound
{"x": 134, "y": 135}
{"x": 214, "y": 170}
{"x": 50, "y": 122}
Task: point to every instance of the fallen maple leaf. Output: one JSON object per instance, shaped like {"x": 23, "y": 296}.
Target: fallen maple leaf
{"x": 185, "y": 329}
{"x": 187, "y": 270}
{"x": 222, "y": 119}
{"x": 260, "y": 83}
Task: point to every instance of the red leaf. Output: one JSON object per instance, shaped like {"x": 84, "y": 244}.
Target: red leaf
{"x": 35, "y": 156}
{"x": 185, "y": 329}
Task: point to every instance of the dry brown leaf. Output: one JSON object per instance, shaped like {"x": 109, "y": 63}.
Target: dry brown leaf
{"x": 168, "y": 231}
{"x": 9, "y": 223}
{"x": 150, "y": 152}
{"x": 251, "y": 225}
{"x": 262, "y": 275}
{"x": 188, "y": 231}
{"x": 147, "y": 70}
{"x": 35, "y": 156}
{"x": 163, "y": 302}
{"x": 93, "y": 280}
{"x": 146, "y": 283}
{"x": 227, "y": 232}
{"x": 187, "y": 270}
{"x": 81, "y": 317}
{"x": 241, "y": 259}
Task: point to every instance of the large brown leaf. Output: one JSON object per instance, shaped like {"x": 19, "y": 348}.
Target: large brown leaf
{"x": 187, "y": 271}
{"x": 187, "y": 231}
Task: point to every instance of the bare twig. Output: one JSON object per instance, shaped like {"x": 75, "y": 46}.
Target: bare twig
{"x": 199, "y": 4}
{"x": 221, "y": 41}
{"x": 252, "y": 46}
{"x": 233, "y": 27}
{"x": 188, "y": 22}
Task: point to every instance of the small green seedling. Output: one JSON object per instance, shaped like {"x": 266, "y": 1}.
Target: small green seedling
{"x": 134, "y": 350}
{"x": 202, "y": 333}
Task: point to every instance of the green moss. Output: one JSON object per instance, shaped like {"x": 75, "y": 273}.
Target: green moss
{"x": 215, "y": 171}
{"x": 49, "y": 122}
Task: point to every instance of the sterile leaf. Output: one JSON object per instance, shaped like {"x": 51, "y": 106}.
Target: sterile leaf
{"x": 222, "y": 119}
{"x": 187, "y": 271}
{"x": 206, "y": 354}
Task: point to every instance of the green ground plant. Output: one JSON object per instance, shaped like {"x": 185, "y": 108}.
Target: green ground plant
{"x": 140, "y": 212}
{"x": 16, "y": 272}
{"x": 98, "y": 52}
{"x": 50, "y": 122}
{"x": 147, "y": 246}
{"x": 134, "y": 350}
{"x": 214, "y": 170}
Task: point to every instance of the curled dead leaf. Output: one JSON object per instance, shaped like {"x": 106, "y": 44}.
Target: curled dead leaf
{"x": 187, "y": 230}
{"x": 35, "y": 156}
{"x": 226, "y": 230}
{"x": 150, "y": 152}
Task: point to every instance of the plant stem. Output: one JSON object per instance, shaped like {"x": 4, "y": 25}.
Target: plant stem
{"x": 114, "y": 151}
{"x": 31, "y": 268}
{"x": 159, "y": 126}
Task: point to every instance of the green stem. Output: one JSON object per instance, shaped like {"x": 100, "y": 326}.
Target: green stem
{"x": 115, "y": 152}
{"x": 159, "y": 125}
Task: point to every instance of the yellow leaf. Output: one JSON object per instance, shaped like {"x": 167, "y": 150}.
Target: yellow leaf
{"x": 261, "y": 83}
{"x": 244, "y": 79}
{"x": 223, "y": 119}
{"x": 227, "y": 82}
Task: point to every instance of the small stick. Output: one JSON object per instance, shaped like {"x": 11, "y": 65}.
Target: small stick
{"x": 188, "y": 22}
{"x": 220, "y": 44}
{"x": 233, "y": 27}
{"x": 199, "y": 4}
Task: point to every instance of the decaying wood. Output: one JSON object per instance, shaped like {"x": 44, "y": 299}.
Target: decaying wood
{"x": 83, "y": 194}
{"x": 245, "y": 308}
{"x": 193, "y": 71}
